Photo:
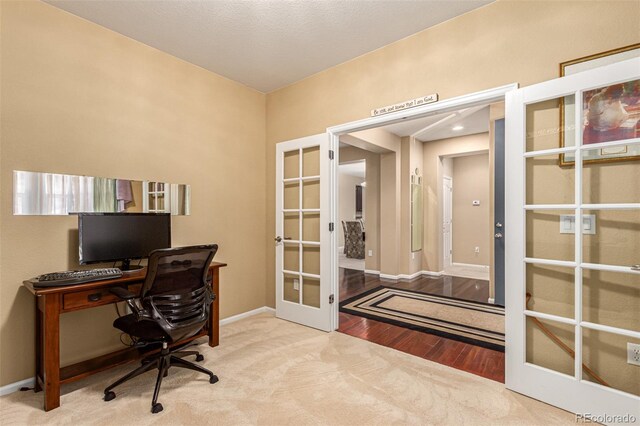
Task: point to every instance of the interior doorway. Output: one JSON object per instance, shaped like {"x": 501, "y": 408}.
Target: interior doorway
{"x": 466, "y": 215}
{"x": 413, "y": 279}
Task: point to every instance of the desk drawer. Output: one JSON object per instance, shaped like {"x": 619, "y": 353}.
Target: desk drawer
{"x": 91, "y": 298}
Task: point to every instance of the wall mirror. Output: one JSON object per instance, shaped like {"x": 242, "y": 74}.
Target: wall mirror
{"x": 36, "y": 193}
{"x": 416, "y": 213}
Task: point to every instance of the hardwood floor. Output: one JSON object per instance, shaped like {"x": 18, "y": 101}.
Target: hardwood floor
{"x": 473, "y": 359}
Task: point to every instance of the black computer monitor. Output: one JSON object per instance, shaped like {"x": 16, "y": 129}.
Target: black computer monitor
{"x": 111, "y": 237}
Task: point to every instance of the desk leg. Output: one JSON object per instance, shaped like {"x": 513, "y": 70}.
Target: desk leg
{"x": 51, "y": 351}
{"x": 214, "y": 313}
{"x": 37, "y": 387}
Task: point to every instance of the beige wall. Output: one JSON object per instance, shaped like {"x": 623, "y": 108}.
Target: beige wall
{"x": 501, "y": 43}
{"x": 434, "y": 152}
{"x": 80, "y": 99}
{"x": 471, "y": 225}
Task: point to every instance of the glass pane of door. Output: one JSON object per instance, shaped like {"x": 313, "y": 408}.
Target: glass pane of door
{"x": 300, "y": 243}
{"x": 549, "y": 235}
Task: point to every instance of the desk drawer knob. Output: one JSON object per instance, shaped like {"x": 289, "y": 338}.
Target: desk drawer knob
{"x": 94, "y": 297}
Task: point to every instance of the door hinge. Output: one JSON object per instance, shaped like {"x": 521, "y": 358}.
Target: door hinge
{"x": 331, "y": 298}
{"x": 331, "y": 154}
{"x": 331, "y": 226}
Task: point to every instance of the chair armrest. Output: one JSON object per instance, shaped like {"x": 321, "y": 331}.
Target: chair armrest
{"x": 130, "y": 298}
{"x": 122, "y": 293}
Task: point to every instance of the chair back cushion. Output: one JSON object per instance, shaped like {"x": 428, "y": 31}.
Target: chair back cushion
{"x": 176, "y": 293}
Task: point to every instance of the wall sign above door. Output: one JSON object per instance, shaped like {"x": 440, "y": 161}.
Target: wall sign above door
{"x": 405, "y": 105}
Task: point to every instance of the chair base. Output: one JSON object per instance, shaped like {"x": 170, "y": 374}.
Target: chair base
{"x": 161, "y": 361}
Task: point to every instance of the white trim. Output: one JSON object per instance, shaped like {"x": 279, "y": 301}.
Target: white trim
{"x": 15, "y": 386}
{"x": 470, "y": 265}
{"x": 409, "y": 277}
{"x": 405, "y": 276}
{"x": 491, "y": 300}
{"x": 247, "y": 314}
{"x": 389, "y": 277}
{"x": 466, "y": 101}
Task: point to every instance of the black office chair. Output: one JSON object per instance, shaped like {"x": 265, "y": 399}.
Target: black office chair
{"x": 173, "y": 305}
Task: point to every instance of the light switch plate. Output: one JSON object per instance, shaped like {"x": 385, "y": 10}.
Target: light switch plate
{"x": 476, "y": 202}
{"x": 633, "y": 353}
{"x": 568, "y": 224}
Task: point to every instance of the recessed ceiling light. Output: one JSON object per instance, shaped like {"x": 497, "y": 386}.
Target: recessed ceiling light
{"x": 457, "y": 128}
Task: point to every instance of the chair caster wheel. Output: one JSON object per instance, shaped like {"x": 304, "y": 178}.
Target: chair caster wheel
{"x": 199, "y": 358}
{"x": 213, "y": 379}
{"x": 109, "y": 396}
{"x": 156, "y": 408}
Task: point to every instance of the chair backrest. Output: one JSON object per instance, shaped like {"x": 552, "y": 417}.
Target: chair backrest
{"x": 175, "y": 292}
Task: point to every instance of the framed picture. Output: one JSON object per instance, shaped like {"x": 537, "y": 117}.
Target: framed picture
{"x": 609, "y": 113}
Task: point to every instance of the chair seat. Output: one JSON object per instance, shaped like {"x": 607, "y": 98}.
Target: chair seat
{"x": 145, "y": 329}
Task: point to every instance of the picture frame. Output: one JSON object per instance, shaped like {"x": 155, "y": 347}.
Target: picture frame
{"x": 567, "y": 109}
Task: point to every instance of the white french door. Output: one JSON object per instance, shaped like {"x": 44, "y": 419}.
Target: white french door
{"x": 573, "y": 291}
{"x": 303, "y": 236}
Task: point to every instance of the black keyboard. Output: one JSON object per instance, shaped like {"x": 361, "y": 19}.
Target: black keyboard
{"x": 56, "y": 279}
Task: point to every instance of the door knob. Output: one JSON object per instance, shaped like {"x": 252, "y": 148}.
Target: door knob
{"x": 636, "y": 267}
{"x": 278, "y": 239}
{"x": 498, "y": 235}
{"x": 498, "y": 225}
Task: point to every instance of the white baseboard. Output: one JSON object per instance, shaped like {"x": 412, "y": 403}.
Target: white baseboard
{"x": 371, "y": 271}
{"x": 433, "y": 273}
{"x": 407, "y": 276}
{"x": 470, "y": 265}
{"x": 388, "y": 277}
{"x": 491, "y": 300}
{"x": 238, "y": 317}
{"x": 14, "y": 387}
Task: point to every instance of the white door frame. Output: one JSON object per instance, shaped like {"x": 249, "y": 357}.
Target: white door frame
{"x": 447, "y": 204}
{"x": 496, "y": 94}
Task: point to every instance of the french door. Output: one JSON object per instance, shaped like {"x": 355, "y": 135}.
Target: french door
{"x": 572, "y": 263}
{"x": 303, "y": 235}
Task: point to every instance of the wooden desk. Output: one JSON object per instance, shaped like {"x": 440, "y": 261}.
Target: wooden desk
{"x": 53, "y": 301}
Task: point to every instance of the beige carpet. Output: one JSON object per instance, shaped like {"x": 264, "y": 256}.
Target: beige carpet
{"x": 273, "y": 372}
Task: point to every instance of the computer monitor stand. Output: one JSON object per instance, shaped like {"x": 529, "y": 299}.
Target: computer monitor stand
{"x": 126, "y": 266}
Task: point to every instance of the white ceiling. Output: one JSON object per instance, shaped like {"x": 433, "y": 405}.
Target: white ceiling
{"x": 267, "y": 44}
{"x": 440, "y": 126}
{"x": 357, "y": 169}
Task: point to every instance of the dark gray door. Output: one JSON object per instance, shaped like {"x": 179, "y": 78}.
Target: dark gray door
{"x": 499, "y": 212}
